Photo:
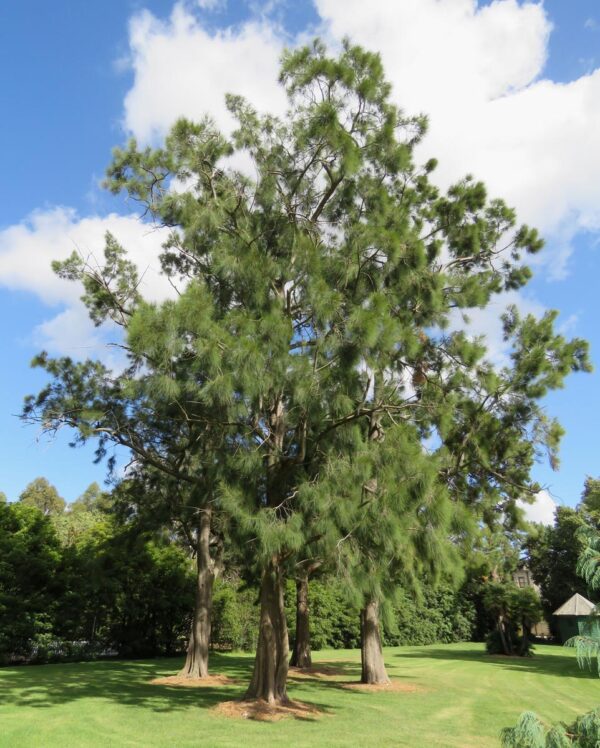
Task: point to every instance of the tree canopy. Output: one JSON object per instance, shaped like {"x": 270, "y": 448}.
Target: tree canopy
{"x": 313, "y": 335}
{"x": 44, "y": 496}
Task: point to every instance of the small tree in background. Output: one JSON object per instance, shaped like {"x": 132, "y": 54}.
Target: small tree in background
{"x": 553, "y": 553}
{"x": 516, "y": 610}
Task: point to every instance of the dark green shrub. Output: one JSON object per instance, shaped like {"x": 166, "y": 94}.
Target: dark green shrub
{"x": 235, "y": 616}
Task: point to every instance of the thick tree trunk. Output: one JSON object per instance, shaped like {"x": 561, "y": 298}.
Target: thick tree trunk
{"x": 196, "y": 663}
{"x": 371, "y": 652}
{"x": 272, "y": 651}
{"x": 301, "y": 656}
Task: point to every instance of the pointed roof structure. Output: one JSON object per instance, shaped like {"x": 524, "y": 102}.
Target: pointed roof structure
{"x": 577, "y": 605}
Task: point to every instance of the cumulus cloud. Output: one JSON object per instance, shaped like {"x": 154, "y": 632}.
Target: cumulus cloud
{"x": 182, "y": 69}
{"x": 28, "y": 248}
{"x": 476, "y": 70}
{"x": 542, "y": 510}
{"x": 71, "y": 333}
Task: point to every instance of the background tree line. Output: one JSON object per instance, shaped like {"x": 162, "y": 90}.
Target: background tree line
{"x": 78, "y": 582}
{"x": 86, "y": 579}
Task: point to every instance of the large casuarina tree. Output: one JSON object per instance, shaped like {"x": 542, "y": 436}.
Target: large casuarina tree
{"x": 315, "y": 286}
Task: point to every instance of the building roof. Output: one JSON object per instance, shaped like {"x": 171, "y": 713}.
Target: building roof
{"x": 577, "y": 605}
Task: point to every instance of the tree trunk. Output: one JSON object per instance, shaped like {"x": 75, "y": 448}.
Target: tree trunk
{"x": 505, "y": 646}
{"x": 371, "y": 652}
{"x": 524, "y": 649}
{"x": 272, "y": 651}
{"x": 301, "y": 655}
{"x": 196, "y": 662}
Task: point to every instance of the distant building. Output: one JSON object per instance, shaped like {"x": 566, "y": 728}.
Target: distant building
{"x": 523, "y": 577}
{"x": 573, "y": 618}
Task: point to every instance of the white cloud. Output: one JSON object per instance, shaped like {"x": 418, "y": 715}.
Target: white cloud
{"x": 210, "y": 4}
{"x": 27, "y": 250}
{"x": 542, "y": 510}
{"x": 71, "y": 333}
{"x": 182, "y": 69}
{"x": 476, "y": 70}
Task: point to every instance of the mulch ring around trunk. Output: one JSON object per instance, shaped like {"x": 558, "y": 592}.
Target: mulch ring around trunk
{"x": 394, "y": 686}
{"x": 211, "y": 681}
{"x": 262, "y": 711}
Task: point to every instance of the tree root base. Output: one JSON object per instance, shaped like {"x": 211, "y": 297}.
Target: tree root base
{"x": 262, "y": 711}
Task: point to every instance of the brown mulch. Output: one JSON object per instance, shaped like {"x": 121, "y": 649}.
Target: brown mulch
{"x": 261, "y": 711}
{"x": 181, "y": 680}
{"x": 395, "y": 686}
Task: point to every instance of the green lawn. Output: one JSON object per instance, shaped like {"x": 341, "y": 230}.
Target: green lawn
{"x": 463, "y": 699}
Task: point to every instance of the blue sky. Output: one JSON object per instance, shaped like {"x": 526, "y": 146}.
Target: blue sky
{"x": 79, "y": 78}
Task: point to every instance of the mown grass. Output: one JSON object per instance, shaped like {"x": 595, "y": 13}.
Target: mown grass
{"x": 462, "y": 698}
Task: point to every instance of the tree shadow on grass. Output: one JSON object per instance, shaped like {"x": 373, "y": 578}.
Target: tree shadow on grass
{"x": 124, "y": 682}
{"x": 540, "y": 663}
{"x": 324, "y": 670}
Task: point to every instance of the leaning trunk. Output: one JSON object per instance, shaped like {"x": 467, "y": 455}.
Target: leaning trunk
{"x": 272, "y": 651}
{"x": 301, "y": 655}
{"x": 371, "y": 652}
{"x": 196, "y": 663}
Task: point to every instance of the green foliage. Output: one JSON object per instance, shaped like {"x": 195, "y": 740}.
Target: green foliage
{"x": 514, "y": 609}
{"x": 235, "y": 616}
{"x": 30, "y": 583}
{"x": 442, "y": 615}
{"x": 107, "y": 589}
{"x": 334, "y": 620}
{"x": 587, "y": 646}
{"x": 530, "y": 732}
{"x": 587, "y": 649}
{"x": 309, "y": 353}
{"x": 44, "y": 496}
{"x": 590, "y": 500}
{"x": 128, "y": 591}
{"x": 552, "y": 555}
{"x": 93, "y": 499}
